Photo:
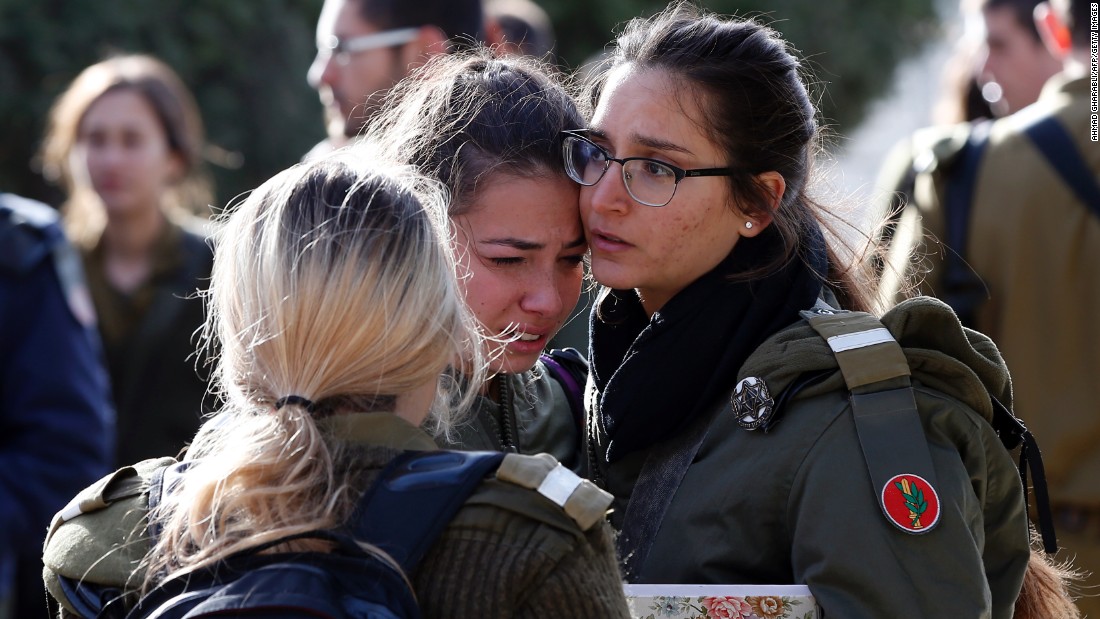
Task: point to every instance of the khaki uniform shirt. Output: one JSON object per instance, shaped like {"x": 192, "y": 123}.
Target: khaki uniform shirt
{"x": 1038, "y": 250}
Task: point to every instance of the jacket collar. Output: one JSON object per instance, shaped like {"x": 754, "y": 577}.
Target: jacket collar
{"x": 378, "y": 429}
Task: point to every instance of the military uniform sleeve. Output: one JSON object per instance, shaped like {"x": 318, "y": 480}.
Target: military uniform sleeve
{"x": 100, "y": 538}
{"x": 55, "y": 415}
{"x": 585, "y": 583}
{"x": 513, "y": 551}
{"x": 859, "y": 565}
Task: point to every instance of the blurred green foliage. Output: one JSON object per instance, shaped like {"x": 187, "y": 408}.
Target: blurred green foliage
{"x": 246, "y": 63}
{"x": 850, "y": 48}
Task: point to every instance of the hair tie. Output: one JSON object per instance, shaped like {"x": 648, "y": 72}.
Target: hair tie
{"x": 296, "y": 400}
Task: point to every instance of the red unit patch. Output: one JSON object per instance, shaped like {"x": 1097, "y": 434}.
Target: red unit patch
{"x": 911, "y": 503}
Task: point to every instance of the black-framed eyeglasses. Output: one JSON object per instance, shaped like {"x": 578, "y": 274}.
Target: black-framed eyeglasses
{"x": 649, "y": 181}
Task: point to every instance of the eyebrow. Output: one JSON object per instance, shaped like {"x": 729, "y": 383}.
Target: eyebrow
{"x": 648, "y": 142}
{"x": 524, "y": 245}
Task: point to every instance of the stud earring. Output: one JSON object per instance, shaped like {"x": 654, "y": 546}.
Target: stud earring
{"x": 748, "y": 225}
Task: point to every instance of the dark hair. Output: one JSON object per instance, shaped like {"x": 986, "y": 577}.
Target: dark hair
{"x": 463, "y": 117}
{"x": 461, "y": 20}
{"x": 524, "y": 25}
{"x": 1022, "y": 10}
{"x": 758, "y": 111}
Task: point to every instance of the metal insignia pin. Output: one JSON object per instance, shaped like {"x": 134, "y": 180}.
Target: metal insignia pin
{"x": 752, "y": 404}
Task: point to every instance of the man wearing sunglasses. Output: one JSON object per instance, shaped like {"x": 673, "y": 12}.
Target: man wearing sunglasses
{"x": 365, "y": 46}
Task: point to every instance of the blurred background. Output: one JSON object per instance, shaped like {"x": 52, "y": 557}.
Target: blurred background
{"x": 246, "y": 64}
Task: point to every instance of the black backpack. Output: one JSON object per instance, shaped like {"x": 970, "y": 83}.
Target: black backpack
{"x": 403, "y": 514}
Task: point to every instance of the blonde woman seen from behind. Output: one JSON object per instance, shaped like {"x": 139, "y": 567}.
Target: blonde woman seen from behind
{"x": 337, "y": 310}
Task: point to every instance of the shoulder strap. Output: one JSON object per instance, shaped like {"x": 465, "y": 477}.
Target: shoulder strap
{"x": 873, "y": 364}
{"x": 570, "y": 369}
{"x": 1052, "y": 140}
{"x": 963, "y": 289}
{"x": 885, "y": 411}
{"x": 414, "y": 499}
{"x": 403, "y": 512}
{"x": 164, "y": 480}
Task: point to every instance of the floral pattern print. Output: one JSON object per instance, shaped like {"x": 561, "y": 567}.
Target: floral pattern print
{"x": 723, "y": 607}
{"x": 727, "y": 607}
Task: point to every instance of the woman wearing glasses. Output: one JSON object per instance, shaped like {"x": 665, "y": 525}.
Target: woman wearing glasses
{"x": 694, "y": 171}
{"x": 489, "y": 130}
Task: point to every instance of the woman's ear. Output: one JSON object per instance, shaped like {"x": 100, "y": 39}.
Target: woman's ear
{"x": 774, "y": 184}
{"x": 177, "y": 168}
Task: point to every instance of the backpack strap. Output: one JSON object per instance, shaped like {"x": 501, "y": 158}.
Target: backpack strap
{"x": 963, "y": 289}
{"x": 1051, "y": 139}
{"x": 1013, "y": 434}
{"x": 163, "y": 481}
{"x": 569, "y": 367}
{"x": 415, "y": 497}
{"x": 884, "y": 408}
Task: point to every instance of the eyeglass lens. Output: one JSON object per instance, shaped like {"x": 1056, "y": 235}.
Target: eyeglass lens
{"x": 649, "y": 182}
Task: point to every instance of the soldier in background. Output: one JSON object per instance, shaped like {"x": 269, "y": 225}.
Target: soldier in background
{"x": 364, "y": 47}
{"x": 519, "y": 27}
{"x": 125, "y": 140}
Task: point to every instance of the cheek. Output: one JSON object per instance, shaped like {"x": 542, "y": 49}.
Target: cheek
{"x": 482, "y": 290}
{"x": 585, "y": 202}
{"x": 569, "y": 289}
{"x": 677, "y": 232}
{"x": 708, "y": 237}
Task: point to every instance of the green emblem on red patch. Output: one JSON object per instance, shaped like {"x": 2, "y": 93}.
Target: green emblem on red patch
{"x": 911, "y": 503}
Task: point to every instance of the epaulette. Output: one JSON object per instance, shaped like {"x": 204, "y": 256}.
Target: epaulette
{"x": 28, "y": 232}
{"x": 582, "y": 501}
{"x": 934, "y": 147}
{"x": 99, "y": 536}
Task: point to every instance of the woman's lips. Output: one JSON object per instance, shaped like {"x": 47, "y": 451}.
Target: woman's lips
{"x": 606, "y": 242}
{"x": 527, "y": 342}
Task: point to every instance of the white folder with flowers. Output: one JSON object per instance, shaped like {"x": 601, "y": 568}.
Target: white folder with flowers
{"x": 721, "y": 602}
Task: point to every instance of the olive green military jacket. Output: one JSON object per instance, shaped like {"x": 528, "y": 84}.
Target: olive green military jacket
{"x": 543, "y": 421}
{"x": 158, "y": 380}
{"x": 795, "y": 504}
{"x": 510, "y": 551}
